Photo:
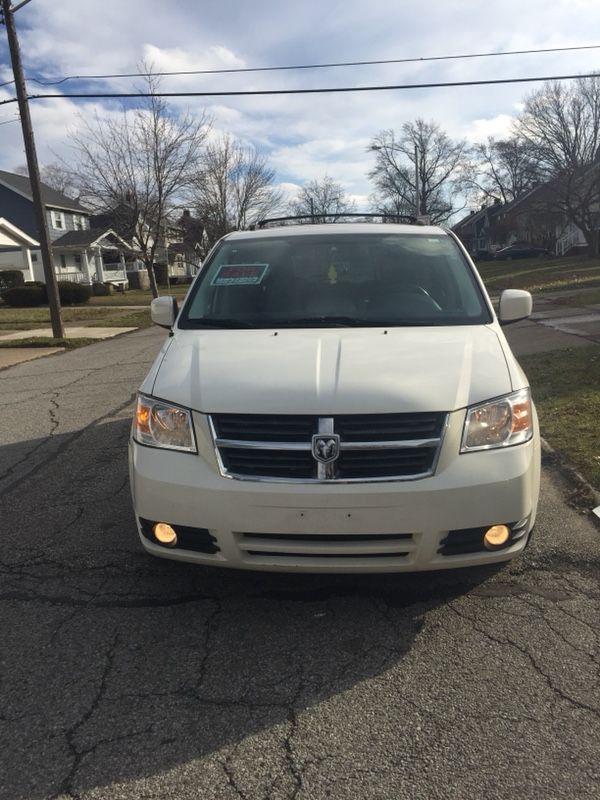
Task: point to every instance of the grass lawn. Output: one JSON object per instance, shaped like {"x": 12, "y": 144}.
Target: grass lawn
{"x": 566, "y": 389}
{"x": 540, "y": 274}
{"x": 137, "y": 297}
{"x": 590, "y": 297}
{"x": 136, "y": 318}
{"x": 20, "y": 319}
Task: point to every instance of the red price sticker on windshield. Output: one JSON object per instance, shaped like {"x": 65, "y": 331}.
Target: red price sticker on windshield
{"x": 239, "y": 275}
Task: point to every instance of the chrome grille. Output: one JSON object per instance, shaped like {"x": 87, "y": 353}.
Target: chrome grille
{"x": 371, "y": 447}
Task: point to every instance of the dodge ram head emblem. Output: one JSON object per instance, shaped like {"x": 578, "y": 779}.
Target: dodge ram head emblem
{"x": 325, "y": 447}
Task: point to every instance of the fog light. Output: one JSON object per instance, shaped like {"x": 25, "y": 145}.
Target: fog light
{"x": 165, "y": 534}
{"x": 496, "y": 536}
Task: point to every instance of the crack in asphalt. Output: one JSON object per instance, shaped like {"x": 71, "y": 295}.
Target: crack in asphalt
{"x": 508, "y": 642}
{"x": 71, "y": 733}
{"x": 292, "y": 721}
{"x": 212, "y": 624}
{"x": 230, "y": 776}
{"x": 60, "y": 449}
{"x": 70, "y": 602}
{"x": 559, "y": 634}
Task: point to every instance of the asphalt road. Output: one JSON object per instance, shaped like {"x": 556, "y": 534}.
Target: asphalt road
{"x": 128, "y": 677}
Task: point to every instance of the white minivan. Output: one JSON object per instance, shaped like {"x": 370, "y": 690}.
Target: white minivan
{"x": 336, "y": 398}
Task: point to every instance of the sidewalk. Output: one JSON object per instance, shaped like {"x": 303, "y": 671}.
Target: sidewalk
{"x": 555, "y": 326}
{"x": 9, "y": 356}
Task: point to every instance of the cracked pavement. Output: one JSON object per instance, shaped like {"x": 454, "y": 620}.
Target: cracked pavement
{"x": 122, "y": 676}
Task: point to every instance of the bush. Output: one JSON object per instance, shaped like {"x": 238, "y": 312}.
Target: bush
{"x": 9, "y": 278}
{"x": 102, "y": 289}
{"x": 25, "y": 296}
{"x": 72, "y": 293}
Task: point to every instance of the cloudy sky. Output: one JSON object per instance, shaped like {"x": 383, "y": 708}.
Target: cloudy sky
{"x": 305, "y": 137}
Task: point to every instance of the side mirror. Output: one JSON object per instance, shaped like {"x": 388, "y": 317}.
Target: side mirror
{"x": 514, "y": 305}
{"x": 163, "y": 311}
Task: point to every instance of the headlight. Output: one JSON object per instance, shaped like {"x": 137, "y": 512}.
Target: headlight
{"x": 499, "y": 423}
{"x": 160, "y": 424}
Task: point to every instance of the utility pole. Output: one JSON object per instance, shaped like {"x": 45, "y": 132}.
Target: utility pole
{"x": 32, "y": 165}
{"x": 417, "y": 187}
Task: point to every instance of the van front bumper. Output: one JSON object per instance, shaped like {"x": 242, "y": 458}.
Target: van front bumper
{"x": 399, "y": 526}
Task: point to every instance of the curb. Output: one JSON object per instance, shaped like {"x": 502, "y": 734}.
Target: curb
{"x": 575, "y": 477}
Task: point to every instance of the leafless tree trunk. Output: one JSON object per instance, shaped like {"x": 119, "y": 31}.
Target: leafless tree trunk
{"x": 437, "y": 160}
{"x": 232, "y": 188}
{"x": 137, "y": 166}
{"x": 324, "y": 200}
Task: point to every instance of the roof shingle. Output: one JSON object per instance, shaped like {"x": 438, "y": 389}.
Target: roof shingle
{"x": 51, "y": 197}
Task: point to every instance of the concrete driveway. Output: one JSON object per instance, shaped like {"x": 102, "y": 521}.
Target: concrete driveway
{"x": 128, "y": 677}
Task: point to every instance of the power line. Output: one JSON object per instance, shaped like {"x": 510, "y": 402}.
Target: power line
{"x": 329, "y": 90}
{"x": 232, "y": 70}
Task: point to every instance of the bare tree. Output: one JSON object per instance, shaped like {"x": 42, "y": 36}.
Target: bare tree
{"x": 57, "y": 177}
{"x": 503, "y": 169}
{"x": 324, "y": 200}
{"x": 390, "y": 204}
{"x": 561, "y": 123}
{"x": 424, "y": 147}
{"x": 233, "y": 187}
{"x": 137, "y": 167}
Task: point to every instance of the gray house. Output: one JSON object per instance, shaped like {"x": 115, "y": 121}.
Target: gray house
{"x": 81, "y": 254}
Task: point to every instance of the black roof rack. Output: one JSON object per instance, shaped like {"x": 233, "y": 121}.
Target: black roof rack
{"x": 316, "y": 219}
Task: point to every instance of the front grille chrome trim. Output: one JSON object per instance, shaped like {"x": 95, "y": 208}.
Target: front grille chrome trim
{"x": 297, "y": 446}
{"x": 326, "y": 472}
{"x": 304, "y": 446}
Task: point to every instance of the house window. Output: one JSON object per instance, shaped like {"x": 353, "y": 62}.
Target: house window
{"x": 58, "y": 220}
{"x": 34, "y": 256}
{"x": 63, "y": 261}
{"x": 78, "y": 222}
{"x": 78, "y": 262}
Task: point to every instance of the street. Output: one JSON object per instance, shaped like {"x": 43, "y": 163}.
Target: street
{"x": 128, "y": 677}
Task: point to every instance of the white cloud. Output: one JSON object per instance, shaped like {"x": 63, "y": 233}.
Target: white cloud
{"x": 305, "y": 136}
{"x": 498, "y": 127}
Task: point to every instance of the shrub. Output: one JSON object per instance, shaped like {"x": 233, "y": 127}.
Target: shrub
{"x": 25, "y": 296}
{"x": 9, "y": 278}
{"x": 72, "y": 293}
{"x": 101, "y": 289}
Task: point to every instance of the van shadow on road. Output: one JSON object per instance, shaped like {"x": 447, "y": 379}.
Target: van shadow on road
{"x": 117, "y": 666}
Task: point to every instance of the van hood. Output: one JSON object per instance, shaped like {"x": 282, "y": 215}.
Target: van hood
{"x": 333, "y": 371}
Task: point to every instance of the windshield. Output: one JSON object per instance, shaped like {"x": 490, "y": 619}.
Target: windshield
{"x": 321, "y": 280}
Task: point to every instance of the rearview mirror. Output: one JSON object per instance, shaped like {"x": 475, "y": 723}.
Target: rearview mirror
{"x": 163, "y": 311}
{"x": 515, "y": 304}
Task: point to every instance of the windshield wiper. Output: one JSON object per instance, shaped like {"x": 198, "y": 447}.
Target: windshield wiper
{"x": 318, "y": 322}
{"x": 219, "y": 322}
{"x": 349, "y": 322}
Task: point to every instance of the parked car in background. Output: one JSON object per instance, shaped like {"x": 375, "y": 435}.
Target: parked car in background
{"x": 336, "y": 398}
{"x": 520, "y": 250}
{"x": 482, "y": 255}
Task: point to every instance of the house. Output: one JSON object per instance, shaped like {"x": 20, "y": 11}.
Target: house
{"x": 535, "y": 218}
{"x": 14, "y": 241}
{"x": 81, "y": 253}
{"x": 477, "y": 230}
{"x": 194, "y": 242}
{"x": 179, "y": 244}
